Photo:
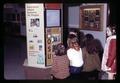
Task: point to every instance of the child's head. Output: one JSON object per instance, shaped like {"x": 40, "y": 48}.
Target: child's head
{"x": 70, "y": 36}
{"x": 89, "y": 37}
{"x": 60, "y": 50}
{"x": 110, "y": 30}
{"x": 74, "y": 43}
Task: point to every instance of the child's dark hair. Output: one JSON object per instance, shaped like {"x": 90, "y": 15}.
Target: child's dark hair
{"x": 94, "y": 46}
{"x": 60, "y": 50}
{"x": 89, "y": 37}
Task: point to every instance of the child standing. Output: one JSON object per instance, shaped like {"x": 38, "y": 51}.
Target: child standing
{"x": 74, "y": 54}
{"x": 60, "y": 66}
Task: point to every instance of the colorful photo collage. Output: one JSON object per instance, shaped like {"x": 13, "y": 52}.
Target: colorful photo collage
{"x": 91, "y": 18}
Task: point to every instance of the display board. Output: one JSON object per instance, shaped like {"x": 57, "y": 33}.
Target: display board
{"x": 35, "y": 34}
{"x": 53, "y": 37}
{"x": 43, "y": 29}
{"x": 53, "y": 29}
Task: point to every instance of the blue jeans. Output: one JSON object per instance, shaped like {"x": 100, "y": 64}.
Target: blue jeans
{"x": 75, "y": 70}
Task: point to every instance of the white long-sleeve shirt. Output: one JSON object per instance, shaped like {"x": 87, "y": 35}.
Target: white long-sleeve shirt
{"x": 75, "y": 57}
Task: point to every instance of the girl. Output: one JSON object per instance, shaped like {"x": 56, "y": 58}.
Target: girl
{"x": 74, "y": 54}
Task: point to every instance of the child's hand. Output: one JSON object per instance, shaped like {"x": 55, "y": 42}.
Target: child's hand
{"x": 51, "y": 77}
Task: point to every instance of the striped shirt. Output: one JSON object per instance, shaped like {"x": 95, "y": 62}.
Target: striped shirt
{"x": 60, "y": 67}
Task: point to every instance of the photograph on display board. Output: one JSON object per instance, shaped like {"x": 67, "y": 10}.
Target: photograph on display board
{"x": 31, "y": 47}
{"x": 30, "y": 30}
{"x": 35, "y": 35}
{"x": 40, "y": 59}
{"x": 90, "y": 17}
{"x": 35, "y": 22}
{"x": 39, "y": 41}
{"x": 40, "y": 47}
{"x": 55, "y": 38}
{"x": 52, "y": 18}
{"x": 53, "y": 48}
{"x": 31, "y": 41}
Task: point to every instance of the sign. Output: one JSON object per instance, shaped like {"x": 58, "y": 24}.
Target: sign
{"x": 35, "y": 34}
{"x": 52, "y": 5}
{"x": 53, "y": 37}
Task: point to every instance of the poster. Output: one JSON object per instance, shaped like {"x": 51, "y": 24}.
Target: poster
{"x": 35, "y": 34}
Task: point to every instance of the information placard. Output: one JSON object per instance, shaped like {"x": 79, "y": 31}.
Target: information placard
{"x": 35, "y": 34}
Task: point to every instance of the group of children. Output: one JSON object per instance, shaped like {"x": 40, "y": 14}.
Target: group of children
{"x": 67, "y": 63}
{"x": 82, "y": 54}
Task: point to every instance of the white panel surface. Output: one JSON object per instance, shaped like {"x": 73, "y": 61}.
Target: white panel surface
{"x": 35, "y": 34}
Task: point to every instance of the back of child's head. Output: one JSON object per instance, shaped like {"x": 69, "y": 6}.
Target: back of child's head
{"x": 89, "y": 37}
{"x": 94, "y": 46}
{"x": 60, "y": 50}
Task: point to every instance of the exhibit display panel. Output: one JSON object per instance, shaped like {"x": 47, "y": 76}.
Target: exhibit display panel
{"x": 35, "y": 34}
{"x": 43, "y": 33}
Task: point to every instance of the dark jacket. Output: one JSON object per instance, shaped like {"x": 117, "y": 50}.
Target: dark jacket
{"x": 91, "y": 61}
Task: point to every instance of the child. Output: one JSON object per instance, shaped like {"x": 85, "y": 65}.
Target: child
{"x": 74, "y": 54}
{"x": 70, "y": 36}
{"x": 60, "y": 66}
{"x": 91, "y": 59}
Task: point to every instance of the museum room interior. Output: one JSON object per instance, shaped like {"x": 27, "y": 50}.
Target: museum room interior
{"x": 33, "y": 31}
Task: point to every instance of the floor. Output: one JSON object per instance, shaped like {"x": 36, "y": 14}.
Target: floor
{"x": 14, "y": 56}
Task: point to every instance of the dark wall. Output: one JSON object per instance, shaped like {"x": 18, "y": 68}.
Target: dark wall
{"x": 113, "y": 13}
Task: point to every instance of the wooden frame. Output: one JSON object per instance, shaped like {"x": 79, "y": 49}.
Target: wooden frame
{"x": 91, "y": 17}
